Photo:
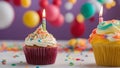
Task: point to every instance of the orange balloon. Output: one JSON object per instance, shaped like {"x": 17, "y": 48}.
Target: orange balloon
{"x": 72, "y": 1}
{"x": 108, "y": 6}
{"x": 80, "y": 18}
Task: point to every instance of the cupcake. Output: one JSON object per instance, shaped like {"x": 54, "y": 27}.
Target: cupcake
{"x": 105, "y": 41}
{"x": 40, "y": 47}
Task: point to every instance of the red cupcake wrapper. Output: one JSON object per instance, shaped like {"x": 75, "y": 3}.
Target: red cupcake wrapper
{"x": 40, "y": 55}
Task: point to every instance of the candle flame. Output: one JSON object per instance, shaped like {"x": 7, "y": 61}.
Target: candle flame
{"x": 44, "y": 13}
{"x": 101, "y": 11}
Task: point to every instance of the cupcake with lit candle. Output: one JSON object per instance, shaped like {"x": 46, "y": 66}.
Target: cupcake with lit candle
{"x": 40, "y": 46}
{"x": 105, "y": 41}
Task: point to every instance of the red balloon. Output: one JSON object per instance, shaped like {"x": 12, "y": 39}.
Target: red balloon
{"x": 7, "y": 0}
{"x": 17, "y": 2}
{"x": 92, "y": 19}
{"x": 59, "y": 21}
{"x": 57, "y": 2}
{"x": 43, "y": 3}
{"x": 77, "y": 29}
{"x": 52, "y": 12}
{"x": 40, "y": 14}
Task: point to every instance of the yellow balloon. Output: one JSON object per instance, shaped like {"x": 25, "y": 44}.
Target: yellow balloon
{"x": 72, "y": 1}
{"x": 25, "y": 3}
{"x": 31, "y": 19}
{"x": 113, "y": 3}
{"x": 80, "y": 18}
{"x": 108, "y": 6}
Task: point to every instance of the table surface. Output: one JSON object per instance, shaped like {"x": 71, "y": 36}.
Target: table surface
{"x": 86, "y": 60}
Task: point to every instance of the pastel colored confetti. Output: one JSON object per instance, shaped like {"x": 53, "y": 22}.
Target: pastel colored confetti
{"x": 6, "y": 47}
{"x": 69, "y": 57}
{"x": 3, "y": 61}
{"x": 31, "y": 39}
{"x": 13, "y": 64}
{"x": 66, "y": 59}
{"x": 15, "y": 56}
{"x": 26, "y": 66}
{"x": 82, "y": 59}
{"x": 21, "y": 61}
{"x": 71, "y": 63}
{"x": 77, "y": 59}
{"x": 86, "y": 55}
{"x": 39, "y": 40}
{"x": 37, "y": 66}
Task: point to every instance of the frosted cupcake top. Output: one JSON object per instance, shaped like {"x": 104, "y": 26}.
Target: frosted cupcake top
{"x": 40, "y": 38}
{"x": 109, "y": 30}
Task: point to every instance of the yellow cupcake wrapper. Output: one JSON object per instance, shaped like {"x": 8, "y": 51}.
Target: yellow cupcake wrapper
{"x": 107, "y": 54}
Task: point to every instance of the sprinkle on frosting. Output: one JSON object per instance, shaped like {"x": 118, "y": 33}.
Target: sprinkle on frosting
{"x": 108, "y": 29}
{"x": 40, "y": 38}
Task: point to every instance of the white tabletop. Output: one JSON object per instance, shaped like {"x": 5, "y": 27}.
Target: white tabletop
{"x": 86, "y": 60}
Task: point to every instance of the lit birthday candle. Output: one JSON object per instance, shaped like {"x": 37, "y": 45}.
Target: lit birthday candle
{"x": 100, "y": 15}
{"x": 44, "y": 19}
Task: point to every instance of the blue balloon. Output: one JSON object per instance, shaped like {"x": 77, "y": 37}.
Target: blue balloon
{"x": 87, "y": 10}
{"x": 101, "y": 1}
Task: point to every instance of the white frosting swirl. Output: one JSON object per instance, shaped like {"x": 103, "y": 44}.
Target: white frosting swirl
{"x": 40, "y": 38}
{"x": 111, "y": 29}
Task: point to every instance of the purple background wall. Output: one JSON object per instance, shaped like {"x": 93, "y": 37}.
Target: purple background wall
{"x": 18, "y": 31}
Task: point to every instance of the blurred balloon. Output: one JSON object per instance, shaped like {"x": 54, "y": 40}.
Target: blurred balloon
{"x": 57, "y": 2}
{"x": 113, "y": 3}
{"x": 31, "y": 19}
{"x": 108, "y": 1}
{"x": 72, "y": 1}
{"x": 43, "y": 3}
{"x": 80, "y": 18}
{"x": 110, "y": 5}
{"x": 25, "y": 3}
{"x": 77, "y": 29}
{"x": 68, "y": 6}
{"x": 52, "y": 12}
{"x": 59, "y": 21}
{"x": 7, "y": 0}
{"x": 6, "y": 14}
{"x": 87, "y": 10}
{"x": 40, "y": 14}
{"x": 17, "y": 2}
{"x": 96, "y": 4}
{"x": 101, "y": 1}
{"x": 92, "y": 19}
{"x": 69, "y": 17}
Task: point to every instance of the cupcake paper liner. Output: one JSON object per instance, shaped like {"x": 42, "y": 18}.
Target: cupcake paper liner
{"x": 107, "y": 55}
{"x": 40, "y": 55}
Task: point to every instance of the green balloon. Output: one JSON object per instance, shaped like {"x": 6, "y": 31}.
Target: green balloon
{"x": 101, "y": 1}
{"x": 87, "y": 10}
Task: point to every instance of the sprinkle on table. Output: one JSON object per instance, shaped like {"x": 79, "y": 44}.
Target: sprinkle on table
{"x": 86, "y": 55}
{"x": 3, "y": 61}
{"x": 71, "y": 63}
{"x": 15, "y": 56}
{"x": 77, "y": 59}
{"x": 82, "y": 59}
{"x": 66, "y": 59}
{"x": 13, "y": 64}
{"x": 37, "y": 66}
{"x": 26, "y": 66}
{"x": 21, "y": 61}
